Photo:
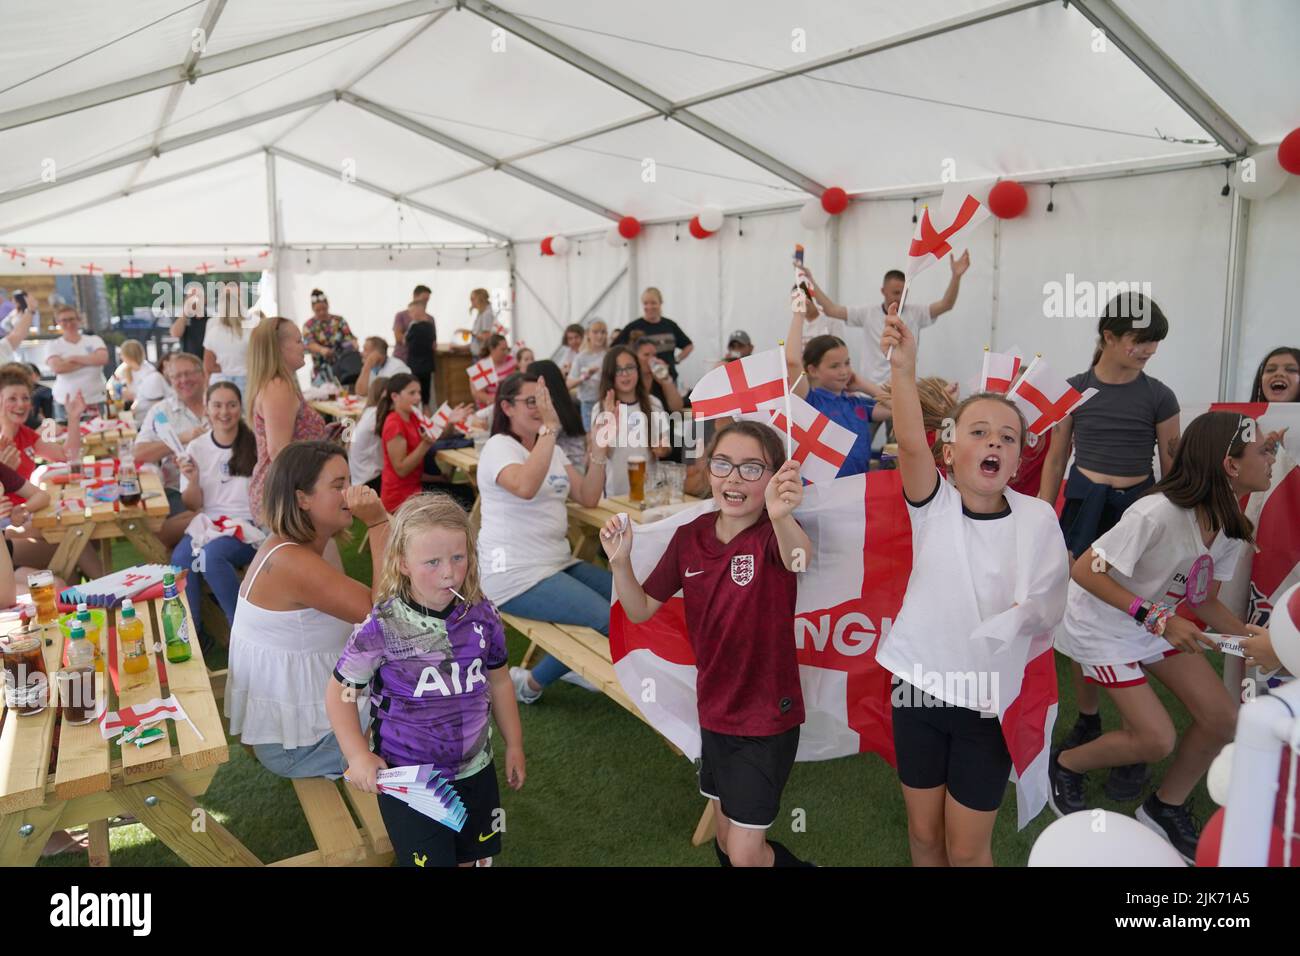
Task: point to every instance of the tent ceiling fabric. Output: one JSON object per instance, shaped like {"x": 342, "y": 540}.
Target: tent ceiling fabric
{"x": 868, "y": 123}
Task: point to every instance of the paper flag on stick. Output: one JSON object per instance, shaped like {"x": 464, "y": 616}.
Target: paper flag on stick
{"x": 114, "y": 722}
{"x": 1045, "y": 396}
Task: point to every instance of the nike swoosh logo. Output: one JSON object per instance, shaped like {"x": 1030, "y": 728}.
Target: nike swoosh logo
{"x": 484, "y": 839}
{"x": 691, "y": 574}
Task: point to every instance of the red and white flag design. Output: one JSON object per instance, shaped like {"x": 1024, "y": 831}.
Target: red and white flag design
{"x": 751, "y": 384}
{"x": 482, "y": 374}
{"x": 435, "y": 426}
{"x": 1045, "y": 396}
{"x": 846, "y": 605}
{"x": 1000, "y": 370}
{"x": 1275, "y": 564}
{"x": 113, "y": 722}
{"x": 819, "y": 444}
{"x": 507, "y": 368}
{"x": 936, "y": 230}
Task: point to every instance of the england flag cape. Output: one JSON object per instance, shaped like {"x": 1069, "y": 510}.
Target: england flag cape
{"x": 847, "y": 601}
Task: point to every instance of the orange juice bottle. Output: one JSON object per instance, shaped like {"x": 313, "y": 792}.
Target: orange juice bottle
{"x": 92, "y": 634}
{"x": 130, "y": 631}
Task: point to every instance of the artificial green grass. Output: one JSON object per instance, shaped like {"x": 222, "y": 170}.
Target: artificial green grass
{"x": 603, "y": 789}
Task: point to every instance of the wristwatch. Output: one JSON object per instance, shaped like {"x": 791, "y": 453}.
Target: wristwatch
{"x": 545, "y": 430}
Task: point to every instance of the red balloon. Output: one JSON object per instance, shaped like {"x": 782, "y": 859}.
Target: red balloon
{"x": 1207, "y": 849}
{"x": 1008, "y": 199}
{"x": 546, "y": 246}
{"x": 835, "y": 200}
{"x": 629, "y": 227}
{"x": 1288, "y": 152}
{"x": 698, "y": 231}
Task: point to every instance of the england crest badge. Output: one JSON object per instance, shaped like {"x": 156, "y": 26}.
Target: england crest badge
{"x": 742, "y": 569}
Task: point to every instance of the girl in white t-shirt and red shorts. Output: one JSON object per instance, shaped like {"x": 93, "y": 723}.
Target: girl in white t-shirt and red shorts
{"x": 1172, "y": 548}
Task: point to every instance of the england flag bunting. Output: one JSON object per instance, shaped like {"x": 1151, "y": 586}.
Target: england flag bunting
{"x": 820, "y": 445}
{"x": 846, "y": 604}
{"x": 1000, "y": 370}
{"x": 482, "y": 374}
{"x": 1275, "y": 565}
{"x": 1045, "y": 396}
{"x": 938, "y": 229}
{"x": 748, "y": 385}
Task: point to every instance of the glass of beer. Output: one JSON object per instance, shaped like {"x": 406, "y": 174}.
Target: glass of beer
{"x": 636, "y": 467}
{"x": 77, "y": 694}
{"x": 41, "y": 585}
{"x": 27, "y": 683}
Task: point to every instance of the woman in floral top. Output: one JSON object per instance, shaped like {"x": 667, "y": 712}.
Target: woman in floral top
{"x": 325, "y": 335}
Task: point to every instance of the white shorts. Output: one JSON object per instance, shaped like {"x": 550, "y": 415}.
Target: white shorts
{"x": 1122, "y": 675}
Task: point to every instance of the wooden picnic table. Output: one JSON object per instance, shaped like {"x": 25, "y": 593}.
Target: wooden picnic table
{"x": 585, "y": 523}
{"x": 72, "y": 527}
{"x": 334, "y": 409}
{"x": 464, "y": 460}
{"x": 54, "y": 775}
{"x": 105, "y": 443}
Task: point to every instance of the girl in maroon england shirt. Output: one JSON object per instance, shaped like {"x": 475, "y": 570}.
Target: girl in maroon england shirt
{"x": 736, "y": 570}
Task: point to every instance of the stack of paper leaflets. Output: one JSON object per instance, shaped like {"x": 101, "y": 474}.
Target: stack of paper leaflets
{"x": 425, "y": 790}
{"x": 112, "y": 589}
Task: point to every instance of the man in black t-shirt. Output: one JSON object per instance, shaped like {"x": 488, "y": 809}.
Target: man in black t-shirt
{"x": 655, "y": 327}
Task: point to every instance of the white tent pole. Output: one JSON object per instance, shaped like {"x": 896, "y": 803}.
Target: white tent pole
{"x": 833, "y": 259}
{"x": 389, "y": 194}
{"x": 219, "y": 62}
{"x": 366, "y": 71}
{"x": 123, "y": 193}
{"x": 1234, "y": 294}
{"x": 237, "y": 125}
{"x": 273, "y": 230}
{"x": 428, "y": 132}
{"x": 1164, "y": 72}
{"x": 601, "y": 298}
{"x": 590, "y": 65}
{"x": 633, "y": 286}
{"x": 211, "y": 14}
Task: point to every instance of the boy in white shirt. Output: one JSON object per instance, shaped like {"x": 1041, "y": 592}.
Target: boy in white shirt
{"x": 376, "y": 363}
{"x": 77, "y": 360}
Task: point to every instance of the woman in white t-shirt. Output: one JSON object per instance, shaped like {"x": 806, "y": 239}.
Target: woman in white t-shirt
{"x": 222, "y": 537}
{"x": 986, "y": 590}
{"x": 366, "y": 452}
{"x": 1172, "y": 547}
{"x": 225, "y": 346}
{"x": 631, "y": 417}
{"x": 584, "y": 374}
{"x": 524, "y": 483}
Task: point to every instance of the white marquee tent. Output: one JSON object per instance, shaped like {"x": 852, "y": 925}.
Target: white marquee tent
{"x": 363, "y": 146}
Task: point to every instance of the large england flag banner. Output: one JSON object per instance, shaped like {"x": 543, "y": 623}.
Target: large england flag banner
{"x": 846, "y": 603}
{"x": 1275, "y": 512}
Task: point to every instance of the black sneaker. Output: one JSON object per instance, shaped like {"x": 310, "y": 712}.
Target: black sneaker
{"x": 1067, "y": 792}
{"x": 1080, "y": 734}
{"x": 1126, "y": 783}
{"x": 1175, "y": 824}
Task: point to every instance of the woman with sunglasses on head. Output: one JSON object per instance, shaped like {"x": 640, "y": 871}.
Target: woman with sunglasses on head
{"x": 524, "y": 482}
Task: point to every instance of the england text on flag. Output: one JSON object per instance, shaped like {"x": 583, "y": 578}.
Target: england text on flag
{"x": 751, "y": 384}
{"x": 846, "y": 604}
{"x": 1045, "y": 397}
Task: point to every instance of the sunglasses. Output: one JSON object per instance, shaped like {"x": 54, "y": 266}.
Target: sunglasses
{"x": 749, "y": 470}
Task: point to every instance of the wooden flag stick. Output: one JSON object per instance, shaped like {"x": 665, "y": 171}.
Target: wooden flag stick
{"x": 903, "y": 298}
{"x": 789, "y": 422}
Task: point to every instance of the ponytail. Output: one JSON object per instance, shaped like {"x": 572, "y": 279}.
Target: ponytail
{"x": 393, "y": 386}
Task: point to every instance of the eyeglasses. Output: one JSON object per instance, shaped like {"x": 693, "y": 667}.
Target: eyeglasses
{"x": 749, "y": 470}
{"x": 530, "y": 402}
{"x": 626, "y": 369}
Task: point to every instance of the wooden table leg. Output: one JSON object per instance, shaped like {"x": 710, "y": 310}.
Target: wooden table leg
{"x": 106, "y": 554}
{"x": 137, "y": 531}
{"x": 69, "y": 551}
{"x": 169, "y": 812}
{"x": 98, "y": 831}
{"x": 707, "y": 828}
{"x": 17, "y": 849}
{"x": 529, "y": 655}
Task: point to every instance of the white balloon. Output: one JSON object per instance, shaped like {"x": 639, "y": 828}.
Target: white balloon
{"x": 559, "y": 245}
{"x": 1220, "y": 775}
{"x": 1284, "y": 629}
{"x": 812, "y": 216}
{"x": 711, "y": 218}
{"x": 1267, "y": 174}
{"x": 613, "y": 237}
{"x": 1101, "y": 838}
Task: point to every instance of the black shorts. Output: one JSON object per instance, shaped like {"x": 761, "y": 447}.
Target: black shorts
{"x": 419, "y": 841}
{"x": 938, "y": 745}
{"x": 747, "y": 774}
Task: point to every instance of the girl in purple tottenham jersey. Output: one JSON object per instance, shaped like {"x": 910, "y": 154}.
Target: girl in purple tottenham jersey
{"x": 433, "y": 655}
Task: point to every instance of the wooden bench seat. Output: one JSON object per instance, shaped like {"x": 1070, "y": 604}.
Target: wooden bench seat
{"x": 586, "y": 652}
